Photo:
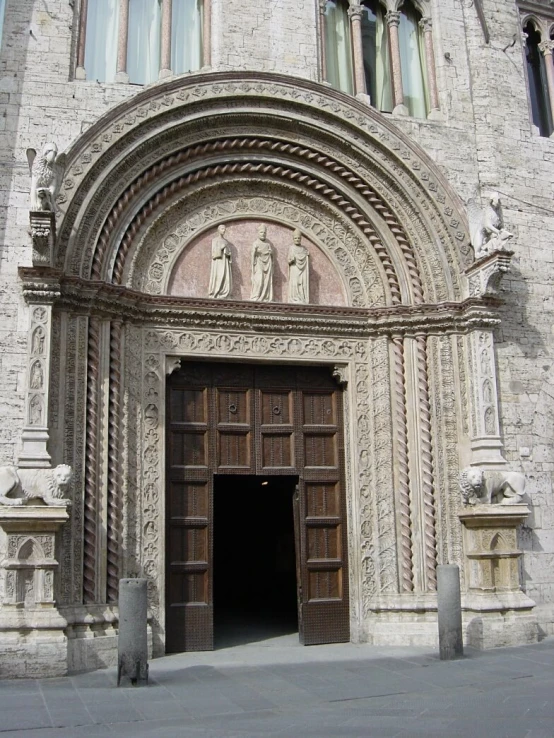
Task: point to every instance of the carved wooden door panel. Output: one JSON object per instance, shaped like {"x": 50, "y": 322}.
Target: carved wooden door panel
{"x": 322, "y": 512}
{"x": 240, "y": 419}
{"x": 189, "y": 519}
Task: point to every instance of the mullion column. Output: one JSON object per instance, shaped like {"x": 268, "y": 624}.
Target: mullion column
{"x": 122, "y": 41}
{"x": 80, "y": 72}
{"x": 167, "y": 9}
{"x": 355, "y": 14}
{"x": 546, "y": 48}
{"x": 426, "y": 25}
{"x": 393, "y": 21}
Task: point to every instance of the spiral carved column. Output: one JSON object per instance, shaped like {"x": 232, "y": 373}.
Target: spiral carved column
{"x": 429, "y": 533}
{"x": 114, "y": 473}
{"x": 406, "y": 574}
{"x": 91, "y": 461}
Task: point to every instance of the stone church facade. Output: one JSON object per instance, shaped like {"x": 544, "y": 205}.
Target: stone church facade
{"x": 406, "y": 339}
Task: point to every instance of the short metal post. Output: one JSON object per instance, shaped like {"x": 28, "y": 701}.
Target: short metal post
{"x": 449, "y": 603}
{"x": 132, "y": 658}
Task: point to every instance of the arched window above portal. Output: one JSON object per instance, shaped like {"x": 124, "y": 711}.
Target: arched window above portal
{"x": 139, "y": 41}
{"x": 388, "y": 54}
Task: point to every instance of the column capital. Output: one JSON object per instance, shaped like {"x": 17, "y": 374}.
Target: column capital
{"x": 322, "y": 5}
{"x": 393, "y": 17}
{"x": 546, "y": 47}
{"x": 355, "y": 11}
{"x": 426, "y": 24}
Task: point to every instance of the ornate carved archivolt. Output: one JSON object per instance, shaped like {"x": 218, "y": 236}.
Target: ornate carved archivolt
{"x": 176, "y": 160}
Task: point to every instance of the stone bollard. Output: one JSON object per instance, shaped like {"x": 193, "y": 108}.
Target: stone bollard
{"x": 132, "y": 644}
{"x": 449, "y": 612}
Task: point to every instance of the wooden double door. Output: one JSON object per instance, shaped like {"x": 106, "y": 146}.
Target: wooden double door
{"x": 263, "y": 423}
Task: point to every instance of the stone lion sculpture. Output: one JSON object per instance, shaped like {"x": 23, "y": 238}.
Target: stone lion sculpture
{"x": 19, "y": 486}
{"x": 491, "y": 487}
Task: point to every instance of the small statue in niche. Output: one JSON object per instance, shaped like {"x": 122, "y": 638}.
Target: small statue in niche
{"x": 37, "y": 378}
{"x": 47, "y": 171}
{"x": 262, "y": 268}
{"x": 299, "y": 270}
{"x": 486, "y": 227}
{"x": 491, "y": 487}
{"x": 220, "y": 275}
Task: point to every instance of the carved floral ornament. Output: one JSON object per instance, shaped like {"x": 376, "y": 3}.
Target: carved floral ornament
{"x": 347, "y": 155}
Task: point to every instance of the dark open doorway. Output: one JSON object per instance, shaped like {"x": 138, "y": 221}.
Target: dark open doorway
{"x": 255, "y": 595}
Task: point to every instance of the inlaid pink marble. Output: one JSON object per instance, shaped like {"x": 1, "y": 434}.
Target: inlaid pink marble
{"x": 191, "y": 274}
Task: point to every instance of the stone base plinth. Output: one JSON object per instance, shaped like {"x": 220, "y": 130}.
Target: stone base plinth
{"x": 402, "y": 620}
{"x": 32, "y": 631}
{"x": 496, "y": 611}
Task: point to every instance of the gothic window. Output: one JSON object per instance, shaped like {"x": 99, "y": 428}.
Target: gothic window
{"x": 386, "y": 54}
{"x": 138, "y": 41}
{"x": 540, "y": 74}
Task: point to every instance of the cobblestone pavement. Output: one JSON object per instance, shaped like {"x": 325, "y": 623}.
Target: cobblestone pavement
{"x": 279, "y": 688}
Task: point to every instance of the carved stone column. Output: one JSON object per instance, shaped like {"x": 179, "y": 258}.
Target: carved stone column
{"x": 165, "y": 66}
{"x": 546, "y": 48}
{"x": 393, "y": 21}
{"x": 496, "y": 611}
{"x": 322, "y": 4}
{"x": 484, "y": 277}
{"x": 426, "y": 25}
{"x": 355, "y": 14}
{"x": 122, "y": 40}
{"x": 32, "y": 638}
{"x": 207, "y": 35}
{"x": 80, "y": 72}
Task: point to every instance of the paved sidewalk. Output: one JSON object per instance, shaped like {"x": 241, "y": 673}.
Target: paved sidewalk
{"x": 279, "y": 688}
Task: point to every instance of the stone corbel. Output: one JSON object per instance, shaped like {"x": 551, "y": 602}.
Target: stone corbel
{"x": 485, "y": 275}
{"x": 340, "y": 375}
{"x": 43, "y": 234}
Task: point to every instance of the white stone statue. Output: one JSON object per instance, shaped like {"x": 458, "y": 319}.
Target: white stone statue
{"x": 491, "y": 487}
{"x": 486, "y": 227}
{"x": 299, "y": 270}
{"x": 19, "y": 486}
{"x": 47, "y": 171}
{"x": 220, "y": 275}
{"x": 262, "y": 268}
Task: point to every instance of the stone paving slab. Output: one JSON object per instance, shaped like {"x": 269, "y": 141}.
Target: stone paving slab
{"x": 279, "y": 688}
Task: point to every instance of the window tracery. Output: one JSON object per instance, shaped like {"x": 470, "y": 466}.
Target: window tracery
{"x": 387, "y": 54}
{"x": 140, "y": 41}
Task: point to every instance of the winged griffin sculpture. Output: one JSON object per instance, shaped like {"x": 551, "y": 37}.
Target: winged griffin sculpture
{"x": 486, "y": 227}
{"x": 47, "y": 169}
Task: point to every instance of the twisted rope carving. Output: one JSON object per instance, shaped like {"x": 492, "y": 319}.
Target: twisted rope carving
{"x": 229, "y": 145}
{"x": 407, "y": 577}
{"x": 91, "y": 473}
{"x": 114, "y": 477}
{"x": 430, "y": 546}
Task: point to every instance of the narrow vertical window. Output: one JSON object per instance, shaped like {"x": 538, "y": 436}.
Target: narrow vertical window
{"x": 186, "y": 35}
{"x": 412, "y": 56}
{"x": 376, "y": 56}
{"x": 338, "y": 50}
{"x": 101, "y": 44}
{"x": 2, "y": 11}
{"x": 538, "y": 83}
{"x": 143, "y": 50}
